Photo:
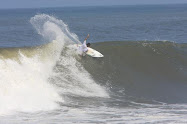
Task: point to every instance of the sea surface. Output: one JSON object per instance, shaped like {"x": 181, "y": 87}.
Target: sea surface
{"x": 141, "y": 79}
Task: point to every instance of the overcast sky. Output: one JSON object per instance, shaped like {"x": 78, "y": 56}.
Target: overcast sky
{"x": 61, "y": 3}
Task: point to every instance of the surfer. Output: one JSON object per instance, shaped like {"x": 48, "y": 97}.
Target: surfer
{"x": 83, "y": 48}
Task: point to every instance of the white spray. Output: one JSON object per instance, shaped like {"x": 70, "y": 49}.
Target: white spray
{"x": 25, "y": 84}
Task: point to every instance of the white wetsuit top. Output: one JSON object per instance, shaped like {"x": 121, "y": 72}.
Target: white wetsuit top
{"x": 83, "y": 47}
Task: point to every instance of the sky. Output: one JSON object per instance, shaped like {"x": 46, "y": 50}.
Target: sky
{"x": 62, "y": 3}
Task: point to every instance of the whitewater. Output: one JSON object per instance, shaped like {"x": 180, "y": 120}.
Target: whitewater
{"x": 30, "y": 82}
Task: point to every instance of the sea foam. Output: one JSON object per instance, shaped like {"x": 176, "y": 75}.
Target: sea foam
{"x": 34, "y": 83}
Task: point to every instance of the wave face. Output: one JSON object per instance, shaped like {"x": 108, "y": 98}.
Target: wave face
{"x": 148, "y": 70}
{"x": 31, "y": 81}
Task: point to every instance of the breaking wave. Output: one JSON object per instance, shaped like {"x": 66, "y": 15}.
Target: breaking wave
{"x": 37, "y": 78}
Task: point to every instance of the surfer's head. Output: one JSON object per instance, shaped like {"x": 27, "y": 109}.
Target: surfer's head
{"x": 88, "y": 44}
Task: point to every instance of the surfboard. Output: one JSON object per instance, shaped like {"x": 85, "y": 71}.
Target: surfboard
{"x": 93, "y": 53}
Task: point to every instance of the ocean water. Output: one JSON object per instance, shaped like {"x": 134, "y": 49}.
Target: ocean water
{"x": 141, "y": 79}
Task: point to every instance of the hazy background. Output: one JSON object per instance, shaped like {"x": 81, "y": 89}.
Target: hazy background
{"x": 61, "y": 3}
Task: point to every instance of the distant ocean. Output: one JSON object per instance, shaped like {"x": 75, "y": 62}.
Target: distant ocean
{"x": 141, "y": 79}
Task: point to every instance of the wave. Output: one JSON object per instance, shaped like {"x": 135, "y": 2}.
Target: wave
{"x": 31, "y": 79}
{"x": 39, "y": 78}
{"x": 143, "y": 69}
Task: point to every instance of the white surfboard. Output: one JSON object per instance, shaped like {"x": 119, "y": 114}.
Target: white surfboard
{"x": 93, "y": 53}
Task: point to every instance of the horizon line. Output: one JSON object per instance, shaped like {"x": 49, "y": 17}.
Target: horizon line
{"x": 92, "y": 6}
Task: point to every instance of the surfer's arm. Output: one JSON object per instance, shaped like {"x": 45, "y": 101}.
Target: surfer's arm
{"x": 87, "y": 37}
